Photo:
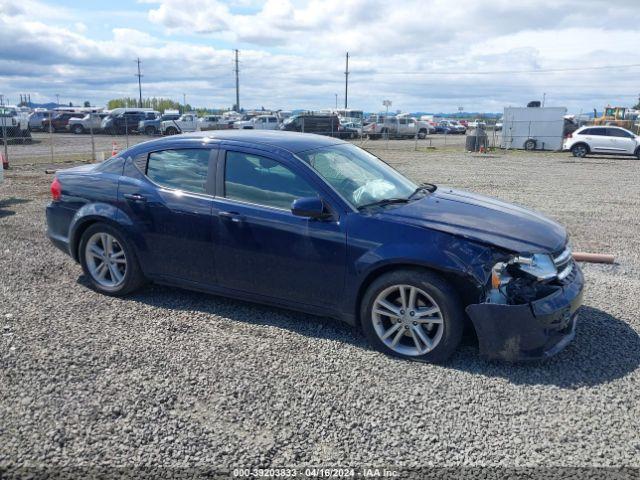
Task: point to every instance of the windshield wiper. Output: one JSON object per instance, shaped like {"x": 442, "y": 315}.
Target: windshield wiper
{"x": 383, "y": 202}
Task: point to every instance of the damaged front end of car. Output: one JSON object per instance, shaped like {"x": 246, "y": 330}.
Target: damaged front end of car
{"x": 529, "y": 308}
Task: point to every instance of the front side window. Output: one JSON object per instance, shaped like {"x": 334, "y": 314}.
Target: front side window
{"x": 180, "y": 169}
{"x": 617, "y": 132}
{"x": 260, "y": 180}
{"x": 358, "y": 176}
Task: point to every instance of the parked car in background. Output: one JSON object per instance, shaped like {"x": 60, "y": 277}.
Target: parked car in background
{"x": 151, "y": 126}
{"x": 319, "y": 225}
{"x": 259, "y": 122}
{"x": 392, "y": 126}
{"x": 319, "y": 123}
{"x": 187, "y": 122}
{"x": 604, "y": 140}
{"x": 124, "y": 120}
{"x": 350, "y": 130}
{"x": 13, "y": 125}
{"x": 36, "y": 118}
{"x": 477, "y": 123}
{"x": 450, "y": 127}
{"x": 91, "y": 121}
{"x": 59, "y": 121}
{"x": 214, "y": 122}
{"x": 464, "y": 123}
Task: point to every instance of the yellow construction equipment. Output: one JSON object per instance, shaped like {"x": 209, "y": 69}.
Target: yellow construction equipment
{"x": 613, "y": 116}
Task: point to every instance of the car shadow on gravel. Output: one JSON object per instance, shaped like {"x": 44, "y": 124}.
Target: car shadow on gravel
{"x": 605, "y": 349}
{"x": 9, "y": 202}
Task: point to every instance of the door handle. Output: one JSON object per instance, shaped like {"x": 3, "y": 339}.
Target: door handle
{"x": 235, "y": 217}
{"x": 135, "y": 197}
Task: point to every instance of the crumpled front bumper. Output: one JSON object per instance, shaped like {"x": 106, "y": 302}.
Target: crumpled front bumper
{"x": 530, "y": 331}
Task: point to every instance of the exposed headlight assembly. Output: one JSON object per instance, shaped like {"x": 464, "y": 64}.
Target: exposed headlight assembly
{"x": 539, "y": 265}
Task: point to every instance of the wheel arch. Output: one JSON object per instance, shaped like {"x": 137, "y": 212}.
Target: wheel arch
{"x": 464, "y": 284}
{"x": 92, "y": 214}
{"x": 584, "y": 144}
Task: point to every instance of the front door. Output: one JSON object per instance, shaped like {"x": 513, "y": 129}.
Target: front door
{"x": 261, "y": 247}
{"x": 166, "y": 196}
{"x": 621, "y": 140}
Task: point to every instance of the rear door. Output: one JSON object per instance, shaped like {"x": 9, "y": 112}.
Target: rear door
{"x": 168, "y": 195}
{"x": 597, "y": 139}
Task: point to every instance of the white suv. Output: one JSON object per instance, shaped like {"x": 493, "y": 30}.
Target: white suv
{"x": 606, "y": 139}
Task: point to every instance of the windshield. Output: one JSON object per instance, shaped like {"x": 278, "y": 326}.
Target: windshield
{"x": 358, "y": 176}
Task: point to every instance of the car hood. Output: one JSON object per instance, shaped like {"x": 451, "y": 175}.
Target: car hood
{"x": 483, "y": 219}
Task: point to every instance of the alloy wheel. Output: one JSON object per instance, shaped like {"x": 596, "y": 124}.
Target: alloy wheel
{"x": 106, "y": 260}
{"x": 407, "y": 320}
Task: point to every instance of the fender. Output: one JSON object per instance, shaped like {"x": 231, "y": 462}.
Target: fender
{"x": 91, "y": 213}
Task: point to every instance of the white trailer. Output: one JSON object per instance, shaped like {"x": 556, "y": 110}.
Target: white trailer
{"x": 532, "y": 128}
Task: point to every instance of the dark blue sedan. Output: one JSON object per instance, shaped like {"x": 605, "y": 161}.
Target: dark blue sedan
{"x": 319, "y": 225}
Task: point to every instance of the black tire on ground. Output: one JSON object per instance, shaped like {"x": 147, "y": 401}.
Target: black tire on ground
{"x": 171, "y": 131}
{"x": 580, "y": 150}
{"x": 133, "y": 278}
{"x": 77, "y": 129}
{"x": 445, "y": 297}
{"x": 637, "y": 153}
{"x": 530, "y": 144}
{"x": 150, "y": 130}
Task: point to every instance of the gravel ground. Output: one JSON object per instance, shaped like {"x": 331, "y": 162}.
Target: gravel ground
{"x": 167, "y": 377}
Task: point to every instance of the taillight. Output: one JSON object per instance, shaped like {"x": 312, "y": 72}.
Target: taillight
{"x": 56, "y": 189}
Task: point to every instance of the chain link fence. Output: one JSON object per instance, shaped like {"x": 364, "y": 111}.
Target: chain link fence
{"x": 71, "y": 137}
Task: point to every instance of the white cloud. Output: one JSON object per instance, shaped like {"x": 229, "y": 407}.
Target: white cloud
{"x": 417, "y": 53}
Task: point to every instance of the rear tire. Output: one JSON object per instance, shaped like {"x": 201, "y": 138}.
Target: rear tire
{"x": 109, "y": 261}
{"x": 580, "y": 150}
{"x": 150, "y": 130}
{"x": 412, "y": 332}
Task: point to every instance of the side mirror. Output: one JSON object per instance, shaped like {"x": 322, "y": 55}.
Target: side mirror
{"x": 311, "y": 207}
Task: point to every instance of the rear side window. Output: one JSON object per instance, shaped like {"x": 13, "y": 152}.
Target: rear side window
{"x": 260, "y": 180}
{"x": 180, "y": 169}
{"x": 595, "y": 131}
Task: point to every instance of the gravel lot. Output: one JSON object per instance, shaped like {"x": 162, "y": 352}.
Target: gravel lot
{"x": 167, "y": 377}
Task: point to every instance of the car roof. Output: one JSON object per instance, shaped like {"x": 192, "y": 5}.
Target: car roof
{"x": 294, "y": 142}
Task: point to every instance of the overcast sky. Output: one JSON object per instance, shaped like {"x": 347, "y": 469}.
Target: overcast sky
{"x": 423, "y": 55}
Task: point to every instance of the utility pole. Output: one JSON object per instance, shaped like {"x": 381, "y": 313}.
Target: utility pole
{"x": 237, "y": 70}
{"x": 336, "y": 101}
{"x": 346, "y": 82}
{"x": 139, "y": 75}
{"x": 57, "y": 100}
{"x": 184, "y": 103}
{"x": 544, "y": 97}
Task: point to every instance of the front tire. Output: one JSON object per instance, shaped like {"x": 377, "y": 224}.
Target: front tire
{"x": 109, "y": 261}
{"x": 412, "y": 314}
{"x": 150, "y": 131}
{"x": 78, "y": 129}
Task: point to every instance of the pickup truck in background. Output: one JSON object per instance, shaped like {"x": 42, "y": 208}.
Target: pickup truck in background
{"x": 91, "y": 121}
{"x": 186, "y": 123}
{"x": 260, "y": 122}
{"x": 215, "y": 122}
{"x": 13, "y": 125}
{"x": 151, "y": 126}
{"x": 391, "y": 126}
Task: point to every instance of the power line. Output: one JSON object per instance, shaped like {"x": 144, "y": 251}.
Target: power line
{"x": 494, "y": 72}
